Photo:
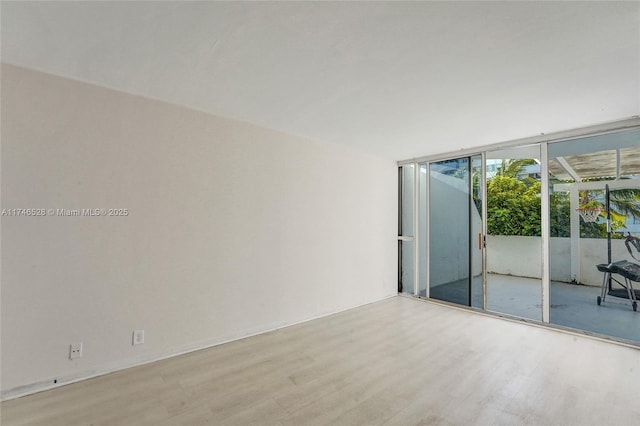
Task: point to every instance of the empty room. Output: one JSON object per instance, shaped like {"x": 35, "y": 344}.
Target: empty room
{"x": 314, "y": 213}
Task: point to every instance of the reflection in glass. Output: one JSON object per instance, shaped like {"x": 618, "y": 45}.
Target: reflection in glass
{"x": 422, "y": 228}
{"x": 476, "y": 233}
{"x": 407, "y": 200}
{"x": 406, "y": 229}
{"x": 580, "y": 170}
{"x": 449, "y": 237}
{"x": 514, "y": 243}
{"x": 406, "y": 266}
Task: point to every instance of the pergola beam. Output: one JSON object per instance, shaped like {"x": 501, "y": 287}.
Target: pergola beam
{"x": 590, "y": 186}
{"x": 567, "y": 167}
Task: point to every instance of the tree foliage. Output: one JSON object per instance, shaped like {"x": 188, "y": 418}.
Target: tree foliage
{"x": 513, "y": 206}
{"x": 623, "y": 203}
{"x": 560, "y": 223}
{"x": 559, "y": 214}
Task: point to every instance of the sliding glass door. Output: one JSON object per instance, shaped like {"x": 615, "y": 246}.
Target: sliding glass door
{"x": 455, "y": 231}
{"x": 514, "y": 232}
{"x": 600, "y": 173}
{"x": 508, "y": 232}
{"x": 477, "y": 244}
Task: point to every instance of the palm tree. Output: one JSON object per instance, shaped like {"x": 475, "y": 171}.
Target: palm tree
{"x": 513, "y": 168}
{"x": 622, "y": 204}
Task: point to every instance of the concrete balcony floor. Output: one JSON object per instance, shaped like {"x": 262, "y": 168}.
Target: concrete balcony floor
{"x": 571, "y": 305}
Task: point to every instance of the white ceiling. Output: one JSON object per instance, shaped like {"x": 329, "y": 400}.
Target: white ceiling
{"x": 397, "y": 79}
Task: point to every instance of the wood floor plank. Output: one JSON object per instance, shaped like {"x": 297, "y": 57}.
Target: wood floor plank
{"x": 400, "y": 361}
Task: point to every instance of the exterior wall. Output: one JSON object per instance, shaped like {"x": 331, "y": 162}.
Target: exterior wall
{"x": 514, "y": 255}
{"x": 446, "y": 223}
{"x": 521, "y": 256}
{"x": 594, "y": 251}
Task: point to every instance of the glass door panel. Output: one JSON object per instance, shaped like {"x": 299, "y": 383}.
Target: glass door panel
{"x": 450, "y": 230}
{"x": 477, "y": 238}
{"x": 513, "y": 240}
{"x": 422, "y": 229}
{"x": 581, "y": 171}
{"x": 406, "y": 190}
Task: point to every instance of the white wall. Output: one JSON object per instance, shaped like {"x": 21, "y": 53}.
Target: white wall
{"x": 514, "y": 255}
{"x": 450, "y": 230}
{"x": 594, "y": 251}
{"x": 521, "y": 256}
{"x": 233, "y": 229}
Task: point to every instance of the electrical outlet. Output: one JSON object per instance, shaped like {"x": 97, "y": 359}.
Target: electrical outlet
{"x": 138, "y": 337}
{"x": 75, "y": 350}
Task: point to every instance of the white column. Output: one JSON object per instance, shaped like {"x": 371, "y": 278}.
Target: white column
{"x": 544, "y": 189}
{"x": 575, "y": 233}
{"x": 484, "y": 229}
{"x": 416, "y": 229}
{"x": 427, "y": 233}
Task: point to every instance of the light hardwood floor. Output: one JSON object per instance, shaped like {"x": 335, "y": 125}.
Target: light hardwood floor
{"x": 399, "y": 362}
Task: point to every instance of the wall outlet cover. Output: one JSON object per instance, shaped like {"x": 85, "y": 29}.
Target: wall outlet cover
{"x": 75, "y": 350}
{"x": 138, "y": 337}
